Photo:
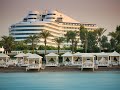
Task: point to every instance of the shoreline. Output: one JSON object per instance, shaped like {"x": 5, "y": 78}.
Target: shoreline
{"x": 16, "y": 69}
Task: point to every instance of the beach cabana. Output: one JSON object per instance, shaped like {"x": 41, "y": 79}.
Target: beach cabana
{"x": 87, "y": 61}
{"x": 20, "y": 58}
{"x": 52, "y": 59}
{"x": 26, "y": 63}
{"x": 67, "y": 58}
{"x": 12, "y": 62}
{"x": 34, "y": 61}
{"x": 102, "y": 59}
{"x": 77, "y": 59}
{"x": 3, "y": 60}
{"x": 114, "y": 58}
{"x": 22, "y": 61}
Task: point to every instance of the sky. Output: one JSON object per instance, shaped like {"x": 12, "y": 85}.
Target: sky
{"x": 103, "y": 13}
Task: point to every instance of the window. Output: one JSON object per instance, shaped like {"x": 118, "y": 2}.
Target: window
{"x": 24, "y": 33}
{"x": 21, "y": 37}
{"x": 28, "y": 26}
{"x": 27, "y": 30}
{"x": 32, "y": 18}
{"x": 51, "y": 14}
{"x": 50, "y": 18}
{"x": 32, "y": 14}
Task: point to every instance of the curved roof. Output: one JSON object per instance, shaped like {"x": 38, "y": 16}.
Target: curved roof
{"x": 2, "y": 55}
{"x": 67, "y": 54}
{"x": 28, "y": 54}
{"x": 102, "y": 54}
{"x": 114, "y": 54}
{"x": 77, "y": 54}
{"x": 52, "y": 54}
{"x": 34, "y": 56}
{"x": 87, "y": 55}
{"x": 20, "y": 55}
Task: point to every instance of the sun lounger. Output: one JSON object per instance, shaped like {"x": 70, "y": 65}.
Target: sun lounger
{"x": 12, "y": 63}
{"x": 78, "y": 63}
{"x": 103, "y": 62}
{"x": 87, "y": 64}
{"x": 51, "y": 64}
{"x": 3, "y": 63}
{"x": 33, "y": 66}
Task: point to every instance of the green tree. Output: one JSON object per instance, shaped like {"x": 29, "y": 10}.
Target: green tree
{"x": 118, "y": 34}
{"x": 92, "y": 42}
{"x": 8, "y": 43}
{"x": 71, "y": 36}
{"x": 118, "y": 48}
{"x": 84, "y": 36}
{"x": 113, "y": 44}
{"x": 59, "y": 40}
{"x": 76, "y": 44}
{"x": 0, "y": 43}
{"x": 33, "y": 40}
{"x": 113, "y": 35}
{"x": 100, "y": 32}
{"x": 45, "y": 35}
{"x": 105, "y": 45}
{"x": 115, "y": 39}
{"x": 21, "y": 45}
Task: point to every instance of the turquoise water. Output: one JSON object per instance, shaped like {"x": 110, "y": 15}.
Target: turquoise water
{"x": 60, "y": 81}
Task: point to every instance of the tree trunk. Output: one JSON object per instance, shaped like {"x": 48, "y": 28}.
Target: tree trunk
{"x": 75, "y": 49}
{"x": 58, "y": 49}
{"x": 45, "y": 47}
{"x": 32, "y": 48}
{"x": 72, "y": 46}
{"x": 100, "y": 46}
{"x": 86, "y": 44}
{"x": 99, "y": 41}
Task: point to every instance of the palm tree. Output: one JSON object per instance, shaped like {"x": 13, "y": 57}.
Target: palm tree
{"x": 76, "y": 44}
{"x": 33, "y": 39}
{"x": 8, "y": 43}
{"x": 113, "y": 44}
{"x": 115, "y": 38}
{"x": 71, "y": 35}
{"x": 118, "y": 34}
{"x": 104, "y": 43}
{"x": 84, "y": 37}
{"x": 113, "y": 34}
{"x": 92, "y": 43}
{"x": 45, "y": 35}
{"x": 21, "y": 45}
{"x": 59, "y": 40}
{"x": 100, "y": 32}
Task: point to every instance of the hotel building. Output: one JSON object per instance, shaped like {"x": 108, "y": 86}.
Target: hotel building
{"x": 55, "y": 22}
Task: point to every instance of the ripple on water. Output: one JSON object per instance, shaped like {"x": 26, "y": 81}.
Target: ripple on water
{"x": 60, "y": 81}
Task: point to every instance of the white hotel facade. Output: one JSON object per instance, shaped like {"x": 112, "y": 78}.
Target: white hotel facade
{"x": 53, "y": 21}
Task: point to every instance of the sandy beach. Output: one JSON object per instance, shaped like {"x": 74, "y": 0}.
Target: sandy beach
{"x": 57, "y": 69}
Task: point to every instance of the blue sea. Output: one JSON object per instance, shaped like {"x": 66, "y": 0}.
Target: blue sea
{"x": 60, "y": 81}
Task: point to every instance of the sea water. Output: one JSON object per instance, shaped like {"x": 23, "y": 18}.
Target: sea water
{"x": 60, "y": 81}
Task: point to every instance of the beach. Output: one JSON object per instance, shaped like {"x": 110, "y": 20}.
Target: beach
{"x": 57, "y": 69}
